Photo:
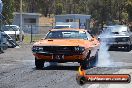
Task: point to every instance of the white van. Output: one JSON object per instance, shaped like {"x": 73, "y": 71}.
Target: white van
{"x": 13, "y": 31}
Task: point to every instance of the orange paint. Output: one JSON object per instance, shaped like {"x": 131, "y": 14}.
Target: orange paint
{"x": 86, "y": 44}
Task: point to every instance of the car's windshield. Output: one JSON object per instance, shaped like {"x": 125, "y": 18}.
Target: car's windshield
{"x": 115, "y": 30}
{"x": 66, "y": 35}
{"x": 107, "y": 30}
{"x": 59, "y": 27}
{"x": 10, "y": 28}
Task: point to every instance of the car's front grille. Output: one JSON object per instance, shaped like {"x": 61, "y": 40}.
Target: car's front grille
{"x": 110, "y": 40}
{"x": 123, "y": 39}
{"x": 67, "y": 50}
{"x": 58, "y": 49}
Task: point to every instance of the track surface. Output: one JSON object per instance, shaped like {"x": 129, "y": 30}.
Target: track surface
{"x": 17, "y": 70}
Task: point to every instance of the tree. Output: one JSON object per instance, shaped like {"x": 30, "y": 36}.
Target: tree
{"x": 8, "y": 9}
{"x": 59, "y": 8}
{"x": 100, "y": 10}
{"x": 129, "y": 10}
{"x": 16, "y": 5}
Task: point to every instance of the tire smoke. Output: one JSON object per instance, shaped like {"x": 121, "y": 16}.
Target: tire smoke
{"x": 104, "y": 59}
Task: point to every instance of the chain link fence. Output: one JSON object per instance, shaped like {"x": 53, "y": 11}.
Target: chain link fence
{"x": 34, "y": 33}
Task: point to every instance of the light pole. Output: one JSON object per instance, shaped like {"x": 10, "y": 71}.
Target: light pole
{"x": 20, "y": 21}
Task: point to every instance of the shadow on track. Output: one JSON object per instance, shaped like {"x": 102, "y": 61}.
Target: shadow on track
{"x": 59, "y": 67}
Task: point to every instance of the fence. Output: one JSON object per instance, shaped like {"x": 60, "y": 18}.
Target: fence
{"x": 34, "y": 33}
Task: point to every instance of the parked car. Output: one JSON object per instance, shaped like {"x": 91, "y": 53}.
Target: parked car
{"x": 13, "y": 31}
{"x": 117, "y": 36}
{"x": 66, "y": 45}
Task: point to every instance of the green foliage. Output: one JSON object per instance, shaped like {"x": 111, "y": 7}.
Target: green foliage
{"x": 59, "y": 8}
{"x": 8, "y": 9}
{"x": 129, "y": 10}
{"x": 124, "y": 16}
{"x": 100, "y": 10}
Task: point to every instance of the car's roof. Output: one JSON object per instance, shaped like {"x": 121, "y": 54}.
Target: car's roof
{"x": 70, "y": 29}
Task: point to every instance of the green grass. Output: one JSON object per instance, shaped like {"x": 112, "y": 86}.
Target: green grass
{"x": 27, "y": 38}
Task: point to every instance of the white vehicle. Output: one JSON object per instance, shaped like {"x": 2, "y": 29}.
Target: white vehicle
{"x": 62, "y": 26}
{"x": 13, "y": 31}
{"x": 59, "y": 25}
{"x": 117, "y": 36}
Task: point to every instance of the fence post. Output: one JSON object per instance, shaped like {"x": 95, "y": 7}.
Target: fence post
{"x": 31, "y": 34}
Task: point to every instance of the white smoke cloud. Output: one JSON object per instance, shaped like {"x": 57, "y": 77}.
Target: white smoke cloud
{"x": 0, "y": 1}
{"x": 104, "y": 59}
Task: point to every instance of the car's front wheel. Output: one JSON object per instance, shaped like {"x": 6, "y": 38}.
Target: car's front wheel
{"x": 86, "y": 63}
{"x": 39, "y": 63}
{"x": 90, "y": 62}
{"x": 128, "y": 48}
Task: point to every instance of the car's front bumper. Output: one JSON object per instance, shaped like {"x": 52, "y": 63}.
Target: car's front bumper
{"x": 60, "y": 57}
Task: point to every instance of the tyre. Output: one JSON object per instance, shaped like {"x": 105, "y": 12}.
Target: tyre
{"x": 1, "y": 49}
{"x": 22, "y": 37}
{"x": 17, "y": 38}
{"x": 90, "y": 62}
{"x": 86, "y": 63}
{"x": 95, "y": 59}
{"x": 39, "y": 63}
{"x": 128, "y": 48}
{"x": 5, "y": 47}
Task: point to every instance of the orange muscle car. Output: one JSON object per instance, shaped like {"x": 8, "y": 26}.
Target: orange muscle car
{"x": 66, "y": 45}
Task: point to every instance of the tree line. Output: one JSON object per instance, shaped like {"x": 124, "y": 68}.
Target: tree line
{"x": 102, "y": 11}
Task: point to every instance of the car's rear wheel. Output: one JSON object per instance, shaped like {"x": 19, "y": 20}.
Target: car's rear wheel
{"x": 39, "y": 63}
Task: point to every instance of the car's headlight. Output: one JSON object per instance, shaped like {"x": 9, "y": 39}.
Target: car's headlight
{"x": 79, "y": 49}
{"x": 76, "y": 48}
{"x": 37, "y": 48}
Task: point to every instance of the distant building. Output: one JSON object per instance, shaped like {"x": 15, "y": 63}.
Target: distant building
{"x": 83, "y": 21}
{"x": 28, "y": 20}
